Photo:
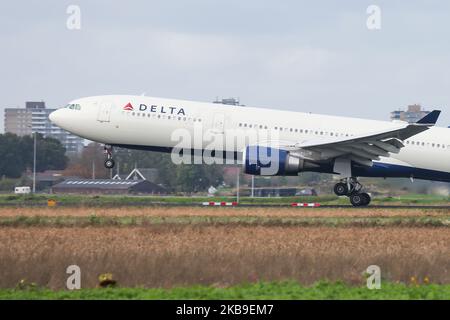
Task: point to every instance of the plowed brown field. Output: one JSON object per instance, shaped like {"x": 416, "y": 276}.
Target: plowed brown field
{"x": 195, "y": 211}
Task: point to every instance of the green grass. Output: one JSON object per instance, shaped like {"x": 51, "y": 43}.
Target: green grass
{"x": 144, "y": 200}
{"x": 123, "y": 200}
{"x": 98, "y": 221}
{"x": 415, "y": 199}
{"x": 261, "y": 290}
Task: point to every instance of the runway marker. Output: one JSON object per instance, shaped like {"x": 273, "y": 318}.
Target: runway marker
{"x": 222, "y": 204}
{"x": 301, "y": 204}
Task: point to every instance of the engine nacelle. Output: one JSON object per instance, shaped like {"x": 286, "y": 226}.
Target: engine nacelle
{"x": 267, "y": 161}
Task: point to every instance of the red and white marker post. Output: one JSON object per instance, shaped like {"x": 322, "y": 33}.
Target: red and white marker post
{"x": 307, "y": 205}
{"x": 220, "y": 204}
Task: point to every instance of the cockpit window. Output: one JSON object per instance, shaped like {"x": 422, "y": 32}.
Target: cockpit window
{"x": 73, "y": 106}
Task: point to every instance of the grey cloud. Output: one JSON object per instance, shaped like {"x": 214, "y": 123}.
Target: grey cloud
{"x": 294, "y": 55}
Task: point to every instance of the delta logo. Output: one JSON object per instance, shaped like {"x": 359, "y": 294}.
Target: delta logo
{"x": 154, "y": 108}
{"x": 128, "y": 107}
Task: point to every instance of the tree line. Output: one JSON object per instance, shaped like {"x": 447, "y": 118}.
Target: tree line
{"x": 183, "y": 178}
{"x": 16, "y": 157}
{"x": 16, "y": 154}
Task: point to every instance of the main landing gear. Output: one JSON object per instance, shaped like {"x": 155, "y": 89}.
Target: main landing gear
{"x": 109, "y": 162}
{"x": 351, "y": 188}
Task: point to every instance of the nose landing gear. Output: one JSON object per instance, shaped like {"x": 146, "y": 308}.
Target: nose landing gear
{"x": 109, "y": 162}
{"x": 351, "y": 188}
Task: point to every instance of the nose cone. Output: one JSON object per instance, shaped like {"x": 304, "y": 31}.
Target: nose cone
{"x": 55, "y": 117}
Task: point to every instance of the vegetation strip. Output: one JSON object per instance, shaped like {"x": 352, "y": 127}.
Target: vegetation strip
{"x": 93, "y": 220}
{"x": 259, "y": 290}
{"x": 116, "y": 200}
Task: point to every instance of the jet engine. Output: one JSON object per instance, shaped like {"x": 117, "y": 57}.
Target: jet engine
{"x": 268, "y": 161}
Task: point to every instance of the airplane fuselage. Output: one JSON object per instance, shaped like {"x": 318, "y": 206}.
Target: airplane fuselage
{"x": 160, "y": 124}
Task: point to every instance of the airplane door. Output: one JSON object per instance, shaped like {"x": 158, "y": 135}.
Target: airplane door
{"x": 219, "y": 123}
{"x": 104, "y": 111}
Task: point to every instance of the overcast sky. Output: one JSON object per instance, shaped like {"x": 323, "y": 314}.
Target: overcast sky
{"x": 314, "y": 56}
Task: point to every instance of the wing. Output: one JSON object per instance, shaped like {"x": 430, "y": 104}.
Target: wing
{"x": 365, "y": 148}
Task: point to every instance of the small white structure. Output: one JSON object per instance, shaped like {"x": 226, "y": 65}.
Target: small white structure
{"x": 22, "y": 190}
{"x": 212, "y": 191}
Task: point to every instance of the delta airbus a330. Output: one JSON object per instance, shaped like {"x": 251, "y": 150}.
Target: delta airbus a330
{"x": 349, "y": 147}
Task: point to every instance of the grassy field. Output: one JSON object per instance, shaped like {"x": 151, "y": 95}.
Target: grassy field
{"x": 211, "y": 220}
{"x": 166, "y": 212}
{"x": 261, "y": 290}
{"x": 115, "y": 200}
{"x": 244, "y": 216}
{"x": 210, "y": 252}
{"x": 166, "y": 255}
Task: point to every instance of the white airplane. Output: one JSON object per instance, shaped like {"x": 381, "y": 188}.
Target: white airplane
{"x": 349, "y": 147}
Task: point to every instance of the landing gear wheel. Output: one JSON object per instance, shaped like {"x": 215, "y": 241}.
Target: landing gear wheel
{"x": 360, "y": 199}
{"x": 341, "y": 189}
{"x": 109, "y": 163}
{"x": 366, "y": 198}
{"x": 356, "y": 200}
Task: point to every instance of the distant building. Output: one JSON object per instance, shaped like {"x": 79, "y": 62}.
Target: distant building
{"x": 34, "y": 118}
{"x": 46, "y": 179}
{"x": 150, "y": 174}
{"x": 413, "y": 114}
{"x": 228, "y": 101}
{"x": 108, "y": 186}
